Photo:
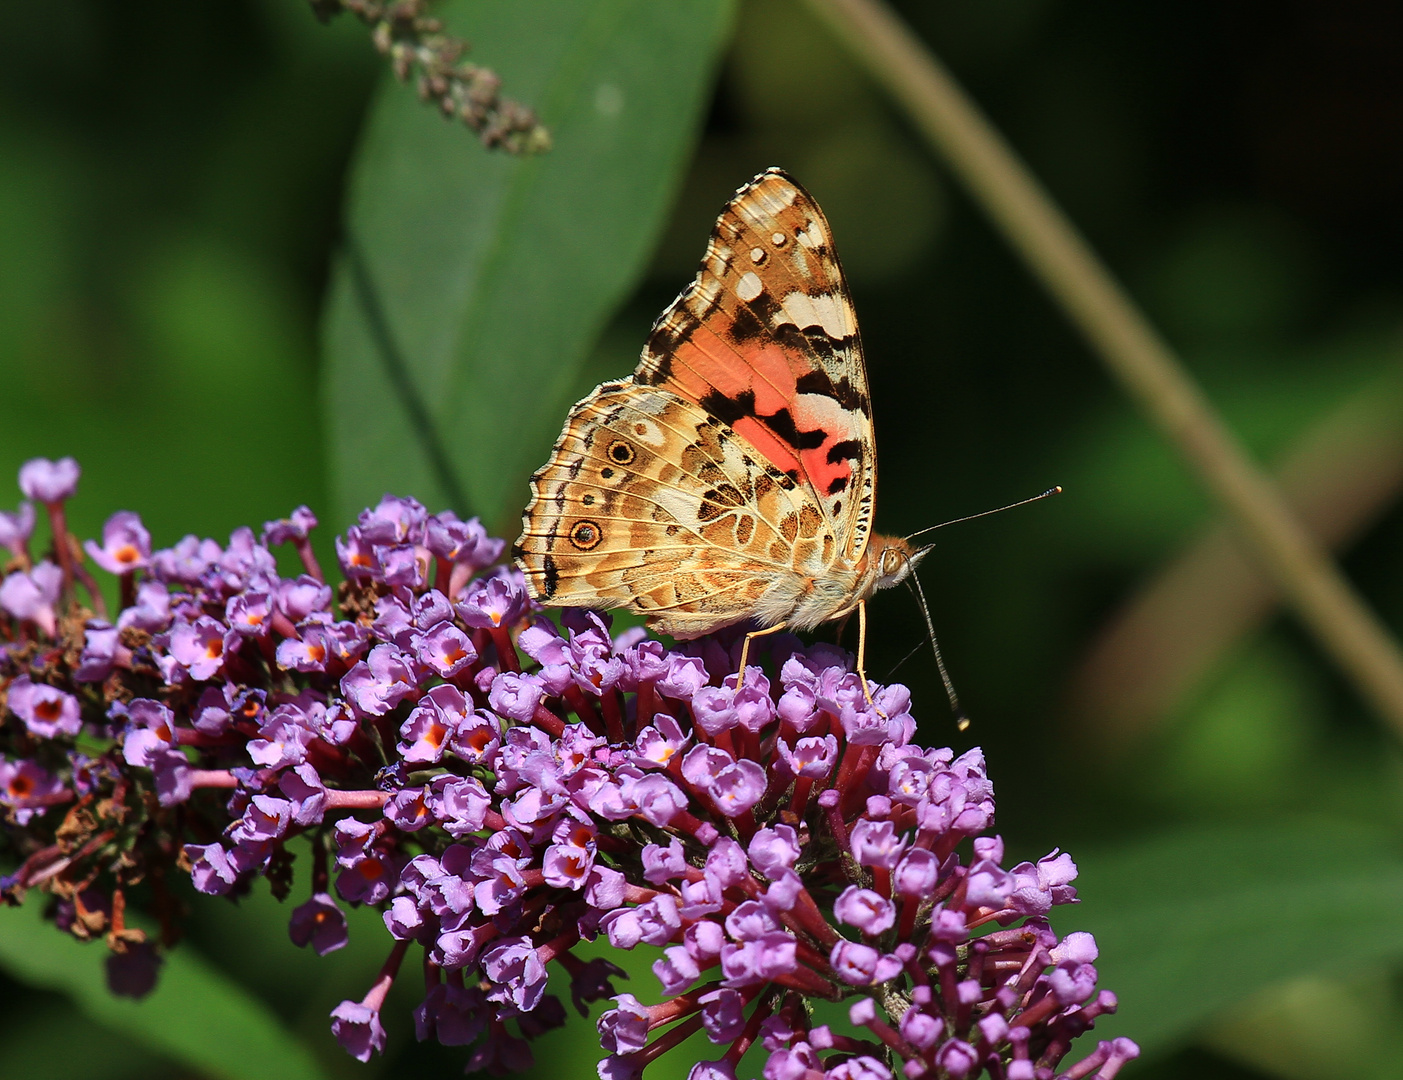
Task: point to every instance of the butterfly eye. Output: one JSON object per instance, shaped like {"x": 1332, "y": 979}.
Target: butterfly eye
{"x": 622, "y": 453}
{"x": 586, "y": 535}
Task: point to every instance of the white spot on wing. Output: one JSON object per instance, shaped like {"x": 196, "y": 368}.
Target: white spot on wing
{"x": 782, "y": 193}
{"x": 650, "y": 436}
{"x": 823, "y": 310}
{"x": 749, "y": 287}
{"x": 811, "y": 235}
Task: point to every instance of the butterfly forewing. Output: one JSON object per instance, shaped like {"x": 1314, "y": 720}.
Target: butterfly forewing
{"x": 766, "y": 340}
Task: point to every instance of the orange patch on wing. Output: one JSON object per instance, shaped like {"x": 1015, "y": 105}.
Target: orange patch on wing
{"x": 770, "y": 446}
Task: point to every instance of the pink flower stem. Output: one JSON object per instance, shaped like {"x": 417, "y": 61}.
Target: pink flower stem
{"x": 762, "y": 1012}
{"x": 807, "y": 912}
{"x": 808, "y": 982}
{"x": 645, "y": 703}
{"x": 750, "y": 744}
{"x": 892, "y": 1038}
{"x": 613, "y": 716}
{"x": 691, "y": 825}
{"x": 506, "y": 652}
{"x": 459, "y": 577}
{"x": 309, "y": 559}
{"x": 355, "y": 800}
{"x": 553, "y": 948}
{"x": 582, "y": 707}
{"x": 666, "y": 1042}
{"x": 675, "y": 1008}
{"x": 837, "y": 825}
{"x": 1034, "y": 1015}
{"x": 212, "y": 778}
{"x": 1088, "y": 1065}
{"x": 547, "y": 721}
{"x": 89, "y": 583}
{"x": 58, "y": 524}
{"x": 375, "y": 999}
{"x": 126, "y": 590}
{"x": 857, "y": 763}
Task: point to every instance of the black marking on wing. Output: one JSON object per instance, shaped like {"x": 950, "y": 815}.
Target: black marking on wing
{"x": 782, "y": 424}
{"x": 746, "y": 326}
{"x": 843, "y": 391}
{"x": 726, "y": 409}
{"x": 840, "y": 451}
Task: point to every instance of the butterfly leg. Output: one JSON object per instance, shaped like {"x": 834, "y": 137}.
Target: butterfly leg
{"x": 862, "y": 656}
{"x": 745, "y": 651}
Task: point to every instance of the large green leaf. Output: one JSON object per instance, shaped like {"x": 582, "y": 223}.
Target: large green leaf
{"x": 474, "y": 284}
{"x": 1317, "y": 1028}
{"x": 196, "y": 1016}
{"x": 1197, "y": 922}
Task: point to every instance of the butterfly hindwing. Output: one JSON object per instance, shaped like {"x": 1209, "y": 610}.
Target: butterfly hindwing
{"x": 650, "y": 502}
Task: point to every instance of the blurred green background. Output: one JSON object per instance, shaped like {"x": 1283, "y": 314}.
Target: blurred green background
{"x": 185, "y": 187}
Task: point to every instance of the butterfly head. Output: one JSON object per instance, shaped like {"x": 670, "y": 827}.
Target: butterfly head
{"x": 893, "y": 560}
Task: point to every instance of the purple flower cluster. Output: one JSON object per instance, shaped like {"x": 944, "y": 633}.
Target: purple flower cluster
{"x": 502, "y": 789}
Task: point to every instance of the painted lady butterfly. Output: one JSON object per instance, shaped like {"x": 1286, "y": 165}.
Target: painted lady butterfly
{"x": 733, "y": 477}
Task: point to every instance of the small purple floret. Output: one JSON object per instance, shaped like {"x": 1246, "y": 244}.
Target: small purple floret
{"x": 48, "y": 481}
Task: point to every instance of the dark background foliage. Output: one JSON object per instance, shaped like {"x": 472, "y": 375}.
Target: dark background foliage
{"x": 173, "y": 187}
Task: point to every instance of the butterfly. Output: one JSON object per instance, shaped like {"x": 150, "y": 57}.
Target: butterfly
{"x": 733, "y": 477}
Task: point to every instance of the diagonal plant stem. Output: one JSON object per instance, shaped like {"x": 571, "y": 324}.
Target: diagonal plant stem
{"x": 1339, "y": 476}
{"x": 1125, "y": 341}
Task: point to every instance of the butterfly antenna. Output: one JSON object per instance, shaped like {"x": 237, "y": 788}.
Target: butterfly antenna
{"x": 901, "y": 663}
{"x": 985, "y": 513}
{"x": 961, "y": 720}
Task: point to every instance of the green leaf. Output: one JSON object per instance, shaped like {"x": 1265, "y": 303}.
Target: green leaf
{"x": 473, "y": 284}
{"x": 1196, "y": 922}
{"x": 196, "y": 1016}
{"x": 29, "y": 1036}
{"x": 1317, "y": 1028}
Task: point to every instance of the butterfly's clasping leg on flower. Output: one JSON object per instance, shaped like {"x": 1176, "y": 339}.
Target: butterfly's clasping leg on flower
{"x": 745, "y": 651}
